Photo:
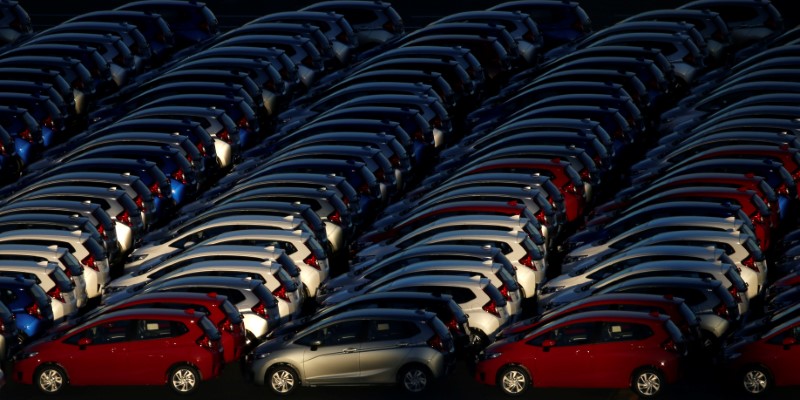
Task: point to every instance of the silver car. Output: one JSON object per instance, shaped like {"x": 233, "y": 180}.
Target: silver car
{"x": 368, "y": 346}
{"x": 51, "y": 279}
{"x": 61, "y": 257}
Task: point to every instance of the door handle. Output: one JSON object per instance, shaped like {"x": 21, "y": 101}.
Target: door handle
{"x": 349, "y": 350}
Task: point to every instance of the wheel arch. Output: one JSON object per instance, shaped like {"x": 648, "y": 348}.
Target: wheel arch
{"x": 181, "y": 363}
{"x": 498, "y": 375}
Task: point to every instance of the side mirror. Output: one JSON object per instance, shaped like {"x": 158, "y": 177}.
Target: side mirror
{"x": 315, "y": 345}
{"x": 84, "y": 342}
{"x": 547, "y": 344}
{"x": 789, "y": 341}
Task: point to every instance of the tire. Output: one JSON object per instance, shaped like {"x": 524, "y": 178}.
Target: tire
{"x": 414, "y": 379}
{"x": 183, "y": 379}
{"x": 513, "y": 381}
{"x": 50, "y": 379}
{"x": 756, "y": 380}
{"x": 282, "y": 380}
{"x": 647, "y": 382}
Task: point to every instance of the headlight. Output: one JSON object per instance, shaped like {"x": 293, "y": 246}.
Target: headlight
{"x": 261, "y": 356}
{"x": 732, "y": 356}
{"x": 25, "y": 355}
{"x": 488, "y": 356}
{"x": 552, "y": 289}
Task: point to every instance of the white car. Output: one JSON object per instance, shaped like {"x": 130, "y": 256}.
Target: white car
{"x": 51, "y": 279}
{"x": 61, "y": 257}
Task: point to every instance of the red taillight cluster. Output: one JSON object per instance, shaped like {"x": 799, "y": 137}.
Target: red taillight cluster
{"x": 504, "y": 291}
{"x": 528, "y": 262}
{"x": 124, "y": 217}
{"x": 202, "y": 149}
{"x": 735, "y": 293}
{"x": 205, "y": 341}
{"x": 541, "y": 217}
{"x": 55, "y": 293}
{"x": 225, "y": 136}
{"x": 721, "y": 310}
{"x": 491, "y": 308}
{"x": 280, "y": 293}
{"x": 671, "y": 346}
{"x": 102, "y": 231}
{"x": 155, "y": 189}
{"x": 226, "y": 325}
{"x": 26, "y": 134}
{"x": 179, "y": 176}
{"x": 335, "y": 217}
{"x": 435, "y": 342}
{"x": 140, "y": 203}
{"x": 33, "y": 310}
{"x": 90, "y": 262}
{"x": 750, "y": 262}
{"x": 244, "y": 123}
{"x": 261, "y": 310}
{"x": 453, "y": 324}
{"x": 312, "y": 261}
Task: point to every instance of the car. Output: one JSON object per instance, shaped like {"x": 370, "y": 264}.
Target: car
{"x": 161, "y": 243}
{"x": 44, "y": 111}
{"x": 375, "y": 23}
{"x": 45, "y": 84}
{"x": 152, "y": 25}
{"x": 52, "y": 279}
{"x": 335, "y": 26}
{"x": 71, "y": 223}
{"x": 217, "y": 308}
{"x": 624, "y": 259}
{"x": 254, "y": 301}
{"x": 759, "y": 362}
{"x": 489, "y": 50}
{"x": 429, "y": 355}
{"x": 83, "y": 282}
{"x": 549, "y": 354}
{"x": 101, "y": 75}
{"x": 680, "y": 314}
{"x": 191, "y": 22}
{"x": 559, "y": 22}
{"x": 497, "y": 274}
{"x": 29, "y": 303}
{"x": 329, "y": 236}
{"x": 71, "y": 69}
{"x": 128, "y": 33}
{"x": 443, "y": 305}
{"x": 9, "y": 333}
{"x": 748, "y": 21}
{"x": 48, "y": 77}
{"x": 176, "y": 347}
{"x": 15, "y": 23}
{"x": 483, "y": 303}
{"x": 25, "y": 132}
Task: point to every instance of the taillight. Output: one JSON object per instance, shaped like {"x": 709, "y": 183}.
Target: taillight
{"x": 453, "y": 324}
{"x": 389, "y": 26}
{"x": 78, "y": 84}
{"x": 750, "y": 262}
{"x": 205, "y": 341}
{"x": 68, "y": 273}
{"x": 577, "y": 25}
{"x": 757, "y": 218}
{"x": 491, "y": 308}
{"x": 735, "y": 293}
{"x": 437, "y": 122}
{"x": 225, "y": 136}
{"x": 721, "y": 310}
{"x": 55, "y": 293}
{"x": 418, "y": 135}
{"x": 102, "y": 231}
{"x": 570, "y": 188}
{"x": 179, "y": 176}
{"x": 48, "y": 122}
{"x": 541, "y": 217}
{"x": 342, "y": 37}
{"x": 261, "y": 310}
{"x": 312, "y": 261}
{"x": 586, "y": 175}
{"x": 140, "y": 203}
{"x": 529, "y": 36}
{"x": 243, "y": 123}
{"x": 90, "y": 262}
{"x": 226, "y": 325}
{"x": 280, "y": 293}
{"x": 436, "y": 343}
{"x": 671, "y": 346}
{"x": 26, "y": 134}
{"x": 308, "y": 61}
{"x": 201, "y": 148}
{"x": 124, "y": 217}
{"x": 395, "y": 160}
{"x": 34, "y": 310}
{"x": 335, "y": 217}
{"x": 204, "y": 26}
{"x": 689, "y": 58}
{"x": 155, "y": 189}
{"x": 379, "y": 175}
{"x": 504, "y": 291}
{"x": 364, "y": 189}
{"x": 528, "y": 262}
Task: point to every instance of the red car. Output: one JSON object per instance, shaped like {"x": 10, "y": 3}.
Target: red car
{"x": 675, "y": 307}
{"x": 576, "y": 351}
{"x": 128, "y": 347}
{"x": 225, "y": 316}
{"x": 768, "y": 360}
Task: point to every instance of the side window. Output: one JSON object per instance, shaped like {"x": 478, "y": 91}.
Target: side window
{"x": 391, "y": 330}
{"x": 105, "y": 333}
{"x": 7, "y": 296}
{"x": 570, "y": 335}
{"x": 617, "y": 332}
{"x": 159, "y": 329}
{"x": 343, "y": 333}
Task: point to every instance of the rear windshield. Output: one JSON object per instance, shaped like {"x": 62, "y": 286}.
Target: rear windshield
{"x": 673, "y": 331}
{"x": 495, "y": 295}
{"x": 688, "y": 314}
{"x": 72, "y": 263}
{"x": 316, "y": 249}
{"x": 285, "y": 279}
{"x": 61, "y": 279}
{"x": 95, "y": 249}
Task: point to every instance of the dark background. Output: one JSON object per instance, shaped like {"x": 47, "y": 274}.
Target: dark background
{"x": 701, "y": 382}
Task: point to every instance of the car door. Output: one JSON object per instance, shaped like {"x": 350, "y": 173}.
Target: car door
{"x": 623, "y": 345}
{"x": 98, "y": 355}
{"x": 335, "y": 360}
{"x": 568, "y": 359}
{"x": 785, "y": 355}
{"x": 388, "y": 343}
{"x": 154, "y": 349}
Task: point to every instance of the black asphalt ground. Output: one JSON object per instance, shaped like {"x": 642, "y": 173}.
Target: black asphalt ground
{"x": 701, "y": 381}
